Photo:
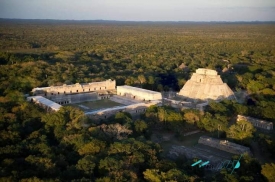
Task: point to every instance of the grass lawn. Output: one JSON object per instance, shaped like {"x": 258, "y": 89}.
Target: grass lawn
{"x": 98, "y": 104}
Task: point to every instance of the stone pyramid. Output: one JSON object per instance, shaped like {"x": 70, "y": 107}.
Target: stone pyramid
{"x": 206, "y": 84}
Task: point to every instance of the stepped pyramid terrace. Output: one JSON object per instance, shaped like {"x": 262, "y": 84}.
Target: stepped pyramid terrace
{"x": 206, "y": 84}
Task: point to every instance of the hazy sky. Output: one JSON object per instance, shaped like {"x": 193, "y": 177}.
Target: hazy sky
{"x": 140, "y": 10}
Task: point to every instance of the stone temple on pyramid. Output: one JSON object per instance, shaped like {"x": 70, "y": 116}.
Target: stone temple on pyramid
{"x": 205, "y": 85}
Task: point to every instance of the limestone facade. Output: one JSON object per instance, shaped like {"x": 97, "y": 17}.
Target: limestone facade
{"x": 75, "y": 88}
{"x": 138, "y": 93}
{"x": 257, "y": 122}
{"x": 206, "y": 84}
{"x": 45, "y": 103}
{"x": 63, "y": 99}
{"x": 224, "y": 145}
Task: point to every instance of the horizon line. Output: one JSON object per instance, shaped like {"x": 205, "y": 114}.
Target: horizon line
{"x": 160, "y": 21}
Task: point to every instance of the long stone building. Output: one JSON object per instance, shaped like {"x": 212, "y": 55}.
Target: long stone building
{"x": 206, "y": 84}
{"x": 224, "y": 145}
{"x": 75, "y": 88}
{"x": 45, "y": 103}
{"x": 258, "y": 123}
{"x": 138, "y": 93}
{"x": 133, "y": 109}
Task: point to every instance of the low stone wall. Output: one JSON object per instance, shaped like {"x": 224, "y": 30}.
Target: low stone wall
{"x": 176, "y": 103}
{"x": 224, "y": 145}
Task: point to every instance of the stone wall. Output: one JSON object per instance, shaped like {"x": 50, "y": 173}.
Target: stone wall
{"x": 44, "y": 103}
{"x": 138, "y": 93}
{"x": 75, "y": 88}
{"x": 134, "y": 109}
{"x": 224, "y": 145}
{"x": 257, "y": 122}
{"x": 177, "y": 103}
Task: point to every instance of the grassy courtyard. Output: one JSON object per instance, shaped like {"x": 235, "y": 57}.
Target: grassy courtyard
{"x": 95, "y": 105}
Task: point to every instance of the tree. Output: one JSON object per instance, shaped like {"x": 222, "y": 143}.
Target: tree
{"x": 162, "y": 114}
{"x": 155, "y": 175}
{"x": 92, "y": 147}
{"x": 191, "y": 117}
{"x": 115, "y": 131}
{"x": 224, "y": 176}
{"x": 111, "y": 164}
{"x": 152, "y": 175}
{"x": 212, "y": 123}
{"x": 241, "y": 130}
{"x": 217, "y": 107}
{"x": 240, "y": 109}
{"x": 123, "y": 117}
{"x": 86, "y": 164}
{"x": 141, "y": 79}
{"x": 268, "y": 170}
{"x": 140, "y": 126}
{"x": 151, "y": 81}
{"x": 250, "y": 170}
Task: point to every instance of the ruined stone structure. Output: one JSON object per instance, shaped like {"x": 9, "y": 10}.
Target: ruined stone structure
{"x": 75, "y": 98}
{"x": 257, "y": 122}
{"x": 192, "y": 153}
{"x": 224, "y": 145}
{"x": 75, "y": 88}
{"x": 45, "y": 103}
{"x": 133, "y": 109}
{"x": 135, "y": 100}
{"x": 177, "y": 103}
{"x": 138, "y": 93}
{"x": 206, "y": 84}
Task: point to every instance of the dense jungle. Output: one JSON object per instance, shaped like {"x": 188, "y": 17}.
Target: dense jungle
{"x": 161, "y": 56}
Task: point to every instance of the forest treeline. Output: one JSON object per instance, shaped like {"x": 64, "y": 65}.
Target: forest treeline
{"x": 56, "y": 147}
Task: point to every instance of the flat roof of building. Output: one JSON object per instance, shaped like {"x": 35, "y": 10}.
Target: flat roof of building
{"x": 46, "y": 102}
{"x": 139, "y": 89}
{"x": 132, "y": 106}
{"x": 70, "y": 85}
{"x": 115, "y": 108}
{"x": 225, "y": 142}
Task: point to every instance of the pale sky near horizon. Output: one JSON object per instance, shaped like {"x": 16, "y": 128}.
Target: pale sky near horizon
{"x": 140, "y": 10}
